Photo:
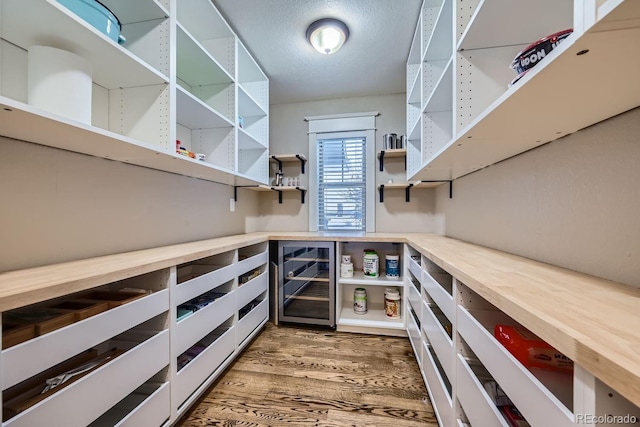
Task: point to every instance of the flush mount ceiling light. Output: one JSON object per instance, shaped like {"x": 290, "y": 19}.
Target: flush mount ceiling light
{"x": 327, "y": 35}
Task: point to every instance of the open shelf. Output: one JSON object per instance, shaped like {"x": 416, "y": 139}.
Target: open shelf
{"x": 194, "y": 113}
{"x": 195, "y": 65}
{"x": 359, "y": 279}
{"x": 44, "y": 128}
{"x": 482, "y": 32}
{"x": 440, "y": 45}
{"x": 27, "y": 23}
{"x": 505, "y": 128}
{"x": 374, "y": 318}
{"x": 407, "y": 186}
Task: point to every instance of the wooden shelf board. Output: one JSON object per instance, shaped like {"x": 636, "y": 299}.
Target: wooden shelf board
{"x": 481, "y": 31}
{"x": 394, "y": 152}
{"x": 524, "y": 117}
{"x": 287, "y": 157}
{"x": 285, "y": 188}
{"x": 27, "y": 23}
{"x": 416, "y": 184}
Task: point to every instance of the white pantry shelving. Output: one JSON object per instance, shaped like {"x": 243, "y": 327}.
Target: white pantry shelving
{"x": 584, "y": 80}
{"x": 175, "y": 78}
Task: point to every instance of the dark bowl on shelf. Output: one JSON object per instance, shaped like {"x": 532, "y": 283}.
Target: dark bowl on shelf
{"x": 529, "y": 57}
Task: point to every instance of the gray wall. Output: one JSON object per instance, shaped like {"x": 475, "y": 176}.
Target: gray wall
{"x": 574, "y": 202}
{"x": 58, "y": 206}
{"x": 288, "y": 135}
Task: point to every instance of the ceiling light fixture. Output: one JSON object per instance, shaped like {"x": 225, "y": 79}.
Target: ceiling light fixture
{"x": 327, "y": 35}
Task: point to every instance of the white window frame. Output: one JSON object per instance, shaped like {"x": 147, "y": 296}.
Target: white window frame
{"x": 341, "y": 126}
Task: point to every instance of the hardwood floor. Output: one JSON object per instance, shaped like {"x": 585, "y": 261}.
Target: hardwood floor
{"x": 293, "y": 376}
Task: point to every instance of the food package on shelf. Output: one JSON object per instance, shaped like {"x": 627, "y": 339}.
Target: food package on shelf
{"x": 530, "y": 350}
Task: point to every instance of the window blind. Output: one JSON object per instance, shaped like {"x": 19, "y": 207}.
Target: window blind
{"x": 342, "y": 184}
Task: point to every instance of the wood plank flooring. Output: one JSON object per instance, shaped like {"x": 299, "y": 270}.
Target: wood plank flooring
{"x": 292, "y": 376}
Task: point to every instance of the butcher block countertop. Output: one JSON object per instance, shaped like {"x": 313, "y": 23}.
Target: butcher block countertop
{"x": 593, "y": 321}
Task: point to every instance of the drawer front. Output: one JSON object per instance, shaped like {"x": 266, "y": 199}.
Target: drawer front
{"x": 248, "y": 323}
{"x": 250, "y": 263}
{"x": 438, "y": 393}
{"x": 193, "y": 328}
{"x": 474, "y": 399}
{"x": 414, "y": 268}
{"x": 536, "y": 403}
{"x": 250, "y": 290}
{"x": 415, "y": 300}
{"x": 439, "y": 340}
{"x": 200, "y": 368}
{"x": 414, "y": 337}
{"x": 439, "y": 295}
{"x": 201, "y": 284}
{"x": 65, "y": 343}
{"x": 153, "y": 411}
{"x": 103, "y": 388}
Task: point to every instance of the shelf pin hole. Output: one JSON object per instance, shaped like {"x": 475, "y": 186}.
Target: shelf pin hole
{"x": 582, "y": 52}
{"x": 7, "y": 109}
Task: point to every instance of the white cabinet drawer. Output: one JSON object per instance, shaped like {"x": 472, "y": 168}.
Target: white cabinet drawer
{"x": 438, "y": 339}
{"x": 438, "y": 294}
{"x": 66, "y": 342}
{"x": 414, "y": 337}
{"x": 474, "y": 399}
{"x": 137, "y": 409}
{"x": 250, "y": 290}
{"x": 415, "y": 299}
{"x": 251, "y": 321}
{"x": 536, "y": 403}
{"x": 197, "y": 325}
{"x": 207, "y": 281}
{"x": 437, "y": 389}
{"x": 89, "y": 397}
{"x": 202, "y": 366}
{"x": 252, "y": 262}
{"x": 414, "y": 267}
{"x": 154, "y": 411}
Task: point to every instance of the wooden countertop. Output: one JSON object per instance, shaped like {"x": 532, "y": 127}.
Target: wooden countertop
{"x": 591, "y": 320}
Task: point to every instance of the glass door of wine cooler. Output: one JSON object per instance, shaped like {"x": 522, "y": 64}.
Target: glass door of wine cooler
{"x": 306, "y": 282}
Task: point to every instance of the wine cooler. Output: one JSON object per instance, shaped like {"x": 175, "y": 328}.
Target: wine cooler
{"x": 306, "y": 282}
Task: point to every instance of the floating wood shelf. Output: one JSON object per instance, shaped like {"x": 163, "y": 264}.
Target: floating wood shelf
{"x": 396, "y": 152}
{"x": 282, "y": 158}
{"x": 279, "y": 189}
{"x": 407, "y": 186}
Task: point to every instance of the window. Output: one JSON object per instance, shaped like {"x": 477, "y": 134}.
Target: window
{"x": 341, "y": 172}
{"x": 342, "y": 178}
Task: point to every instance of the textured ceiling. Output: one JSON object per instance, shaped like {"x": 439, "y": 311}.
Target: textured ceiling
{"x": 372, "y": 62}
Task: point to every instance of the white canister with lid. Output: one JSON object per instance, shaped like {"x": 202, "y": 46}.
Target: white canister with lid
{"x": 370, "y": 263}
{"x": 392, "y": 265}
{"x": 392, "y": 303}
{"x": 360, "y": 301}
{"x": 346, "y": 269}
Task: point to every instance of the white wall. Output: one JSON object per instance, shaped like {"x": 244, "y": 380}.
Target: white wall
{"x": 288, "y": 135}
{"x": 57, "y": 206}
{"x": 574, "y": 202}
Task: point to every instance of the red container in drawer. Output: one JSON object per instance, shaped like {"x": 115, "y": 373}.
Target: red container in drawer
{"x": 530, "y": 350}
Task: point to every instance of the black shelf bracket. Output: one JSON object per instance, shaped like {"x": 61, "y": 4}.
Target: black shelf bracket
{"x": 235, "y": 193}
{"x": 451, "y": 189}
{"x": 381, "y": 191}
{"x": 407, "y": 193}
{"x": 279, "y": 162}
{"x": 382, "y": 161}
{"x": 302, "y": 193}
{"x": 302, "y": 163}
